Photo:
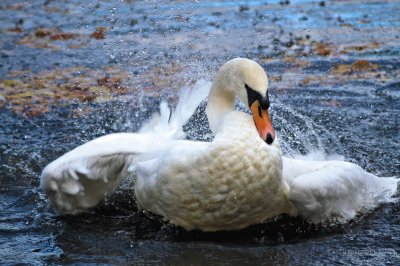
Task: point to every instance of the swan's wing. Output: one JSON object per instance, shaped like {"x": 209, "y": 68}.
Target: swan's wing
{"x": 80, "y": 178}
{"x": 170, "y": 123}
{"x": 322, "y": 190}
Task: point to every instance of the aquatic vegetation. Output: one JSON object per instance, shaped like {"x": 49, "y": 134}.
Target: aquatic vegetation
{"x": 34, "y": 94}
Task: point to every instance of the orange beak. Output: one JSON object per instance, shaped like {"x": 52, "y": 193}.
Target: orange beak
{"x": 263, "y": 122}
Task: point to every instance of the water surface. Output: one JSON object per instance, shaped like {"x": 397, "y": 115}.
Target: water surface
{"x": 322, "y": 97}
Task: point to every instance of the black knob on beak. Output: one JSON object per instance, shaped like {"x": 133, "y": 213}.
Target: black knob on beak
{"x": 269, "y": 139}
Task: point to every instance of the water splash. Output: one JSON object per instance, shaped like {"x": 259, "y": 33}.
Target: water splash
{"x": 300, "y": 134}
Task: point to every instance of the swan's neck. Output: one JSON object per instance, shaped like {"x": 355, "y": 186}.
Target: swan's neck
{"x": 221, "y": 101}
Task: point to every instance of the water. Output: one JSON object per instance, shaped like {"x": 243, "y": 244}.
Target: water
{"x": 354, "y": 114}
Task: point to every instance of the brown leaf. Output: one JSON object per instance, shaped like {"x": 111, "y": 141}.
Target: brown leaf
{"x": 42, "y": 32}
{"x": 295, "y": 61}
{"x": 340, "y": 69}
{"x": 306, "y": 81}
{"x": 362, "y": 47}
{"x": 103, "y": 81}
{"x": 62, "y": 36}
{"x": 36, "y": 110}
{"x": 99, "y": 33}
{"x": 26, "y": 94}
{"x": 322, "y": 49}
{"x": 13, "y": 7}
{"x": 357, "y": 66}
{"x": 82, "y": 96}
{"x": 77, "y": 45}
{"x": 16, "y": 29}
{"x": 35, "y": 42}
{"x": 363, "y": 65}
{"x": 110, "y": 82}
{"x": 44, "y": 37}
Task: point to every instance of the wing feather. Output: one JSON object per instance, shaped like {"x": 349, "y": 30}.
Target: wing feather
{"x": 324, "y": 190}
{"x": 79, "y": 179}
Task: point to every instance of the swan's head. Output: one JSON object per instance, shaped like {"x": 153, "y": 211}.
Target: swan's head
{"x": 250, "y": 83}
{"x": 247, "y": 80}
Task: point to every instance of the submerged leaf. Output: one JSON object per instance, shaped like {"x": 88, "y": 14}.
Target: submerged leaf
{"x": 47, "y": 38}
{"x": 341, "y": 69}
{"x": 99, "y": 33}
{"x": 42, "y": 32}
{"x": 357, "y": 66}
{"x": 322, "y": 49}
{"x": 36, "y": 110}
{"x": 363, "y": 65}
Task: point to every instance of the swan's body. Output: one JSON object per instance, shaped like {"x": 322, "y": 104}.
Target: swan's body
{"x": 221, "y": 185}
{"x": 230, "y": 183}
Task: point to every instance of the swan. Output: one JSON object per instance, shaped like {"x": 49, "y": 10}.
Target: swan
{"x": 238, "y": 179}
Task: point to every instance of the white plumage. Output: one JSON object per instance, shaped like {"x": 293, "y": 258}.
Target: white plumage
{"x": 227, "y": 184}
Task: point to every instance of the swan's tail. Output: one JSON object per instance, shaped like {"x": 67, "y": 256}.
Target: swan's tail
{"x": 169, "y": 123}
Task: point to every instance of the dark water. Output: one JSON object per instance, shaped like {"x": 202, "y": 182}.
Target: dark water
{"x": 351, "y": 114}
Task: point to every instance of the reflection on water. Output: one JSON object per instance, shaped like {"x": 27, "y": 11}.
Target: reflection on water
{"x": 355, "y": 115}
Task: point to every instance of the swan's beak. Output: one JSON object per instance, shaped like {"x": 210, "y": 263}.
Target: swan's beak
{"x": 263, "y": 122}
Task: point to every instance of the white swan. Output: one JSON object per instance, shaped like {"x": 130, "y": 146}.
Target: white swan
{"x": 227, "y": 184}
